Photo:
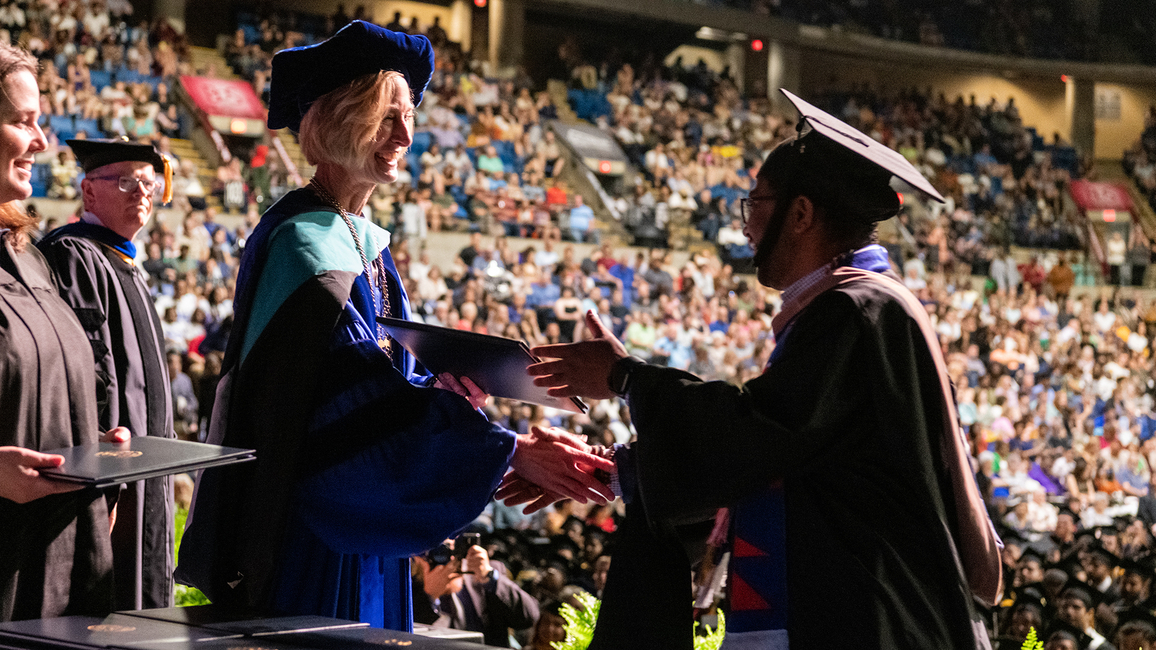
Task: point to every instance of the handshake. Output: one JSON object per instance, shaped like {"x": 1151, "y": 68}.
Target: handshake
{"x": 551, "y": 465}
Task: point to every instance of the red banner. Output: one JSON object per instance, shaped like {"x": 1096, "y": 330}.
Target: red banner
{"x": 1090, "y": 195}
{"x": 227, "y": 98}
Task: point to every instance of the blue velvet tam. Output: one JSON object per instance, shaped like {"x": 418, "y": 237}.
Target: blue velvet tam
{"x": 303, "y": 74}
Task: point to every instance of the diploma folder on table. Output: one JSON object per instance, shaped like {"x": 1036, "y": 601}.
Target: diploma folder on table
{"x": 496, "y": 365}
{"x": 106, "y": 464}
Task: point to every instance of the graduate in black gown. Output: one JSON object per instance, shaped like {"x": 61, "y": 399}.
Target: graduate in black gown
{"x": 55, "y": 557}
{"x": 855, "y": 520}
{"x": 94, "y": 260}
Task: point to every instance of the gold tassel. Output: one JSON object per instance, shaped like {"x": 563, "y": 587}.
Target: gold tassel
{"x": 168, "y": 194}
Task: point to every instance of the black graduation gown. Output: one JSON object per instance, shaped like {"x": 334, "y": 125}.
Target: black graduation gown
{"x": 55, "y": 557}
{"x": 111, "y": 298}
{"x": 849, "y": 418}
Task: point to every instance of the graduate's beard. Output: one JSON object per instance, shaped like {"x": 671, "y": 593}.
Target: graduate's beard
{"x": 772, "y": 233}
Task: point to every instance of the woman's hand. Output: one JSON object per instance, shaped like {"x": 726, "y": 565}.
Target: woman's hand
{"x": 20, "y": 480}
{"x": 560, "y": 463}
{"x": 462, "y": 386}
{"x": 515, "y": 491}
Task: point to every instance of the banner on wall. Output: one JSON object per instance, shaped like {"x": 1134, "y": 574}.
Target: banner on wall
{"x": 230, "y": 105}
{"x": 1098, "y": 196}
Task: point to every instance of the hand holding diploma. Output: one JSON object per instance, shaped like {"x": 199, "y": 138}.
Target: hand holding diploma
{"x": 20, "y": 479}
{"x": 463, "y": 386}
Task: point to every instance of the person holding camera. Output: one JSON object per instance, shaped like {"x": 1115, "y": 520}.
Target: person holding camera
{"x": 465, "y": 590}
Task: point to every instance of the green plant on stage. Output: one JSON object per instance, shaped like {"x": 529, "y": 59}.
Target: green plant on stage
{"x": 185, "y": 596}
{"x": 580, "y": 626}
{"x": 579, "y": 623}
{"x": 1031, "y": 642}
{"x": 713, "y": 639}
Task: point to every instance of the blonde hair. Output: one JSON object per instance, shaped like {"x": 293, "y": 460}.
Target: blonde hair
{"x": 341, "y": 127}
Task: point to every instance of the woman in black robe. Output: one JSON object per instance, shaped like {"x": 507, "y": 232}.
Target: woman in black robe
{"x": 55, "y": 559}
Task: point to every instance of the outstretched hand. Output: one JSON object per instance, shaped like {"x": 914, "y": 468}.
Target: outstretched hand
{"x": 20, "y": 480}
{"x": 561, "y": 464}
{"x": 579, "y": 369}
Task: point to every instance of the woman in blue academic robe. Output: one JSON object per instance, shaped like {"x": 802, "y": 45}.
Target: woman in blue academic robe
{"x": 361, "y": 463}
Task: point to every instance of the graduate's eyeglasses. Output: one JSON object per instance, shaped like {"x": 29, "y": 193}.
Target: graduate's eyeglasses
{"x": 745, "y": 206}
{"x": 129, "y": 183}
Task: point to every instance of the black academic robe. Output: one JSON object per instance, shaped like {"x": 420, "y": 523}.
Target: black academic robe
{"x": 110, "y": 297}
{"x": 849, "y": 418}
{"x": 55, "y": 557}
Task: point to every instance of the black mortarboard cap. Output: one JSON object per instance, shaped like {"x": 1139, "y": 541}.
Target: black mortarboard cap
{"x": 1030, "y": 594}
{"x": 1069, "y": 565}
{"x": 1136, "y": 615}
{"x": 1062, "y": 630}
{"x": 92, "y": 154}
{"x": 1011, "y": 536}
{"x": 1141, "y": 566}
{"x": 303, "y": 74}
{"x": 1106, "y": 530}
{"x": 1082, "y": 590}
{"x": 813, "y": 120}
{"x": 1030, "y": 553}
{"x": 1096, "y": 549}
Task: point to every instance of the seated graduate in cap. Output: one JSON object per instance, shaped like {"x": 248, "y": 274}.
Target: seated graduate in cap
{"x": 1076, "y": 613}
{"x": 855, "y": 516}
{"x": 1136, "y": 629}
{"x": 361, "y": 461}
{"x": 94, "y": 260}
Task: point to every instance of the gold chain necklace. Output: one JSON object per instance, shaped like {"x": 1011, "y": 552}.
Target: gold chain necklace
{"x": 378, "y": 266}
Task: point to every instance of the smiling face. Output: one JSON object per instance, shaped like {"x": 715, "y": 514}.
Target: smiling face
{"x": 393, "y": 136}
{"x": 20, "y": 136}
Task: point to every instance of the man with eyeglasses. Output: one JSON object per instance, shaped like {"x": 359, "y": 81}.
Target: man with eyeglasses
{"x": 844, "y": 482}
{"x": 101, "y": 280}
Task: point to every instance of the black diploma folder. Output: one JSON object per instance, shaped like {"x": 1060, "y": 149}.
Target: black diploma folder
{"x": 496, "y": 365}
{"x": 224, "y": 620}
{"x": 114, "y": 630}
{"x": 106, "y": 464}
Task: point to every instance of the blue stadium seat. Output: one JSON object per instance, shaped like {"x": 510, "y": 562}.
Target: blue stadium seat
{"x": 413, "y": 161}
{"x": 252, "y": 33}
{"x": 508, "y": 155}
{"x": 89, "y": 126}
{"x": 459, "y": 194}
{"x": 41, "y": 175}
{"x": 62, "y": 126}
{"x": 1065, "y": 158}
{"x": 589, "y": 104}
{"x": 421, "y": 142}
{"x": 100, "y": 79}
